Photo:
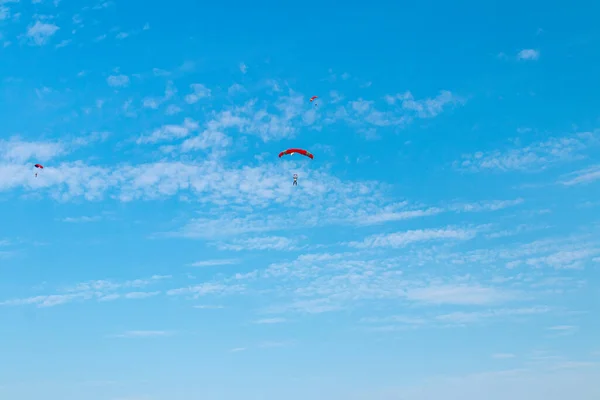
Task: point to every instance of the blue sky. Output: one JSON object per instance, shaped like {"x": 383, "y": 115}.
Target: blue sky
{"x": 444, "y": 242}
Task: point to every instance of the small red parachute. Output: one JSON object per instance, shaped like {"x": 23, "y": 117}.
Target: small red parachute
{"x": 313, "y": 98}
{"x": 299, "y": 151}
{"x": 38, "y": 166}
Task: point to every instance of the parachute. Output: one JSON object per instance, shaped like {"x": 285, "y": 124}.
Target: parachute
{"x": 312, "y": 99}
{"x": 299, "y": 151}
{"x": 38, "y": 166}
{"x": 291, "y": 152}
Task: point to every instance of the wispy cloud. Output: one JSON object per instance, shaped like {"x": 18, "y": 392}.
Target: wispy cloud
{"x": 528, "y": 54}
{"x": 141, "y": 295}
{"x": 17, "y": 150}
{"x": 563, "y": 330}
{"x": 463, "y": 294}
{"x": 401, "y": 239}
{"x": 427, "y": 108}
{"x": 170, "y": 132}
{"x": 199, "y": 91}
{"x": 429, "y": 320}
{"x": 461, "y": 317}
{"x": 270, "y": 321}
{"x": 82, "y": 219}
{"x": 215, "y": 262}
{"x": 235, "y": 88}
{"x": 581, "y": 177}
{"x": 560, "y": 253}
{"x": 100, "y": 290}
{"x": 204, "y": 289}
{"x": 534, "y": 157}
{"x": 401, "y": 110}
{"x": 237, "y": 349}
{"x": 118, "y": 80}
{"x": 41, "y": 32}
{"x": 259, "y": 243}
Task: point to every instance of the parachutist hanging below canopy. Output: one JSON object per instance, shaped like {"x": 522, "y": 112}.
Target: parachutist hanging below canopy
{"x": 291, "y": 152}
{"x": 38, "y": 166}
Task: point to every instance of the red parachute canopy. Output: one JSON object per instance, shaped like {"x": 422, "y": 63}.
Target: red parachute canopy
{"x": 313, "y": 98}
{"x": 40, "y": 166}
{"x": 299, "y": 151}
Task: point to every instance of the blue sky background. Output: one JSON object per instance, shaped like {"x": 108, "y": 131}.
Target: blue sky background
{"x": 442, "y": 244}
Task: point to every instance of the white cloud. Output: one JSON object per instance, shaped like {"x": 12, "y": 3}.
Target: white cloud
{"x": 528, "y": 54}
{"x": 401, "y": 239}
{"x": 582, "y": 177}
{"x": 462, "y": 294}
{"x": 118, "y": 80}
{"x": 16, "y": 150}
{"x": 199, "y": 92}
{"x": 237, "y": 349}
{"x": 463, "y": 317}
{"x": 270, "y": 321}
{"x": 40, "y": 32}
{"x": 82, "y": 219}
{"x": 63, "y": 43}
{"x": 101, "y": 290}
{"x": 243, "y": 68}
{"x": 141, "y": 295}
{"x": 235, "y": 88}
{"x": 402, "y": 109}
{"x": 536, "y": 156}
{"x": 204, "y": 289}
{"x": 206, "y": 140}
{"x": 563, "y": 330}
{"x": 564, "y": 259}
{"x": 335, "y": 97}
{"x": 259, "y": 243}
{"x": 493, "y": 205}
{"x": 215, "y": 262}
{"x": 172, "y": 109}
{"x": 4, "y": 13}
{"x": 428, "y": 108}
{"x": 427, "y": 319}
{"x": 170, "y": 132}
{"x": 558, "y": 253}
{"x": 149, "y": 102}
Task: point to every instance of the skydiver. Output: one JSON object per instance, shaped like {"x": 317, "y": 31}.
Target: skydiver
{"x": 295, "y": 180}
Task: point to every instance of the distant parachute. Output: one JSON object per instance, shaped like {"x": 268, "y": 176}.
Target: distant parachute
{"x": 299, "y": 151}
{"x": 312, "y": 99}
{"x": 38, "y": 166}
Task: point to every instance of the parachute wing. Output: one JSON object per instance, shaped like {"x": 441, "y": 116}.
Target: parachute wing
{"x": 313, "y": 98}
{"x": 299, "y": 151}
{"x": 40, "y": 166}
